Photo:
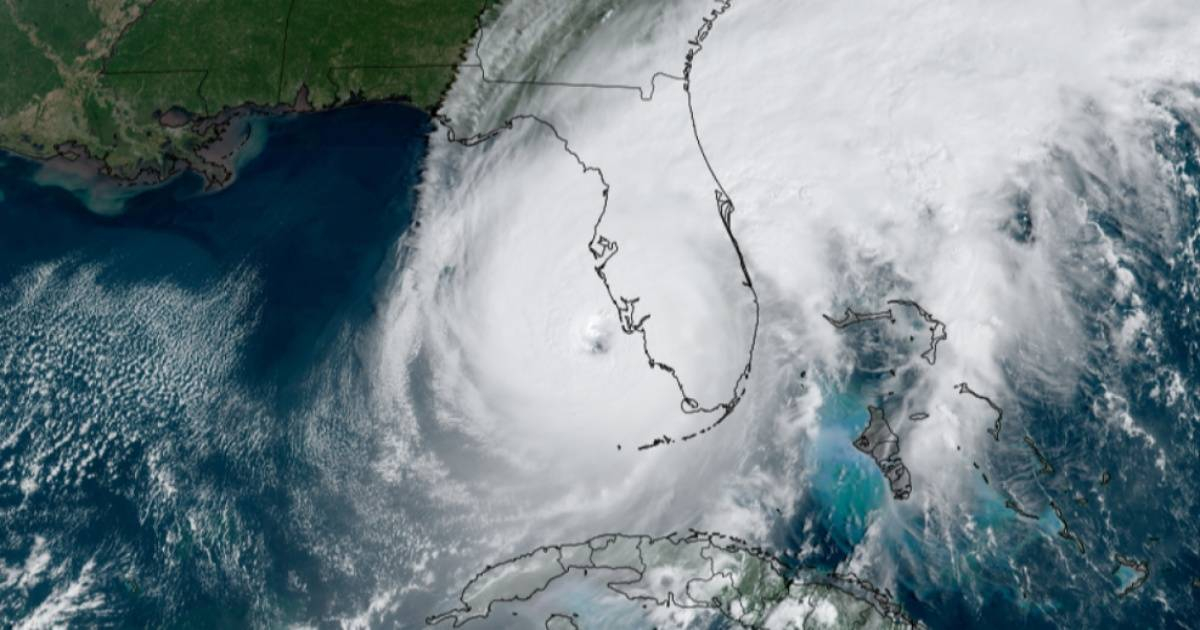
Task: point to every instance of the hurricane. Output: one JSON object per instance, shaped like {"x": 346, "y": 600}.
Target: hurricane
{"x": 899, "y": 300}
{"x": 1022, "y": 176}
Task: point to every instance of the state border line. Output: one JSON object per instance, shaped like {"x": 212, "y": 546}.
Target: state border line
{"x": 603, "y": 249}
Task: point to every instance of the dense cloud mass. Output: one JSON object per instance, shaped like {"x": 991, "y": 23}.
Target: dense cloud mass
{"x": 896, "y": 303}
{"x": 976, "y": 159}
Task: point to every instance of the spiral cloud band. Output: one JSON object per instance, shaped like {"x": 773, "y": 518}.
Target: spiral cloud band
{"x": 625, "y": 243}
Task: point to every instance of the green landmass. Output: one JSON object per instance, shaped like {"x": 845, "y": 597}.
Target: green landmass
{"x": 141, "y": 86}
{"x": 747, "y": 586}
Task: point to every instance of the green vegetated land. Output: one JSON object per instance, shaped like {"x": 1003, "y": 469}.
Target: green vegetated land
{"x": 97, "y": 76}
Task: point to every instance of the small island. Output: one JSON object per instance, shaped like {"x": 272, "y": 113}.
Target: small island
{"x": 883, "y": 445}
{"x": 746, "y": 585}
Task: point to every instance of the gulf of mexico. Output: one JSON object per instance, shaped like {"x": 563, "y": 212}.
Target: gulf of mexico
{"x": 185, "y": 438}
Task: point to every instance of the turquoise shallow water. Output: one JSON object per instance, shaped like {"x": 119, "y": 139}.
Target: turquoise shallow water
{"x": 1104, "y": 463}
{"x": 187, "y": 436}
{"x": 845, "y": 483}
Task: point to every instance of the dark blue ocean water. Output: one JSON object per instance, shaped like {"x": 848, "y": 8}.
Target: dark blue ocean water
{"x": 187, "y": 436}
{"x": 1120, "y": 439}
{"x": 183, "y": 426}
